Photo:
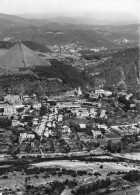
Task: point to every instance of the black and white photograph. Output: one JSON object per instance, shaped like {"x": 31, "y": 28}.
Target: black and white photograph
{"x": 69, "y": 97}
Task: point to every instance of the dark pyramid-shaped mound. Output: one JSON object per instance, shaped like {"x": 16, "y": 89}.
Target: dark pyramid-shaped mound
{"x": 20, "y": 56}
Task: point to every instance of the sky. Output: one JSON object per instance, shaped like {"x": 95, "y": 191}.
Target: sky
{"x": 68, "y": 6}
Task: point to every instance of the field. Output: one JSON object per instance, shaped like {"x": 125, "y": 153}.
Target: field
{"x": 47, "y": 175}
{"x": 95, "y": 166}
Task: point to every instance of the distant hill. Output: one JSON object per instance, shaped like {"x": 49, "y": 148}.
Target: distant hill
{"x": 12, "y": 21}
{"x": 30, "y": 44}
{"x": 13, "y": 18}
{"x": 89, "y": 18}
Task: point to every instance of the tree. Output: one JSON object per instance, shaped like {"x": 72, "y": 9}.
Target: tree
{"x": 102, "y": 131}
{"x": 28, "y": 148}
{"x": 2, "y": 111}
{"x": 5, "y": 122}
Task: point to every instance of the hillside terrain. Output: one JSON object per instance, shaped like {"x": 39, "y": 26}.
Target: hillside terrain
{"x": 113, "y": 71}
{"x": 119, "y": 70}
{"x": 35, "y": 79}
{"x": 30, "y": 44}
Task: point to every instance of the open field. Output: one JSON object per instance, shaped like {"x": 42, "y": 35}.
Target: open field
{"x": 95, "y": 166}
{"x": 131, "y": 156}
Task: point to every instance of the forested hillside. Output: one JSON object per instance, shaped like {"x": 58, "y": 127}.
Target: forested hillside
{"x": 36, "y": 79}
{"x": 119, "y": 70}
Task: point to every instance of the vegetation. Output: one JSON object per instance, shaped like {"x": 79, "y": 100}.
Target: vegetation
{"x": 5, "y": 122}
{"x": 91, "y": 187}
{"x": 119, "y": 70}
{"x": 6, "y": 44}
{"x": 36, "y": 81}
{"x": 127, "y": 144}
{"x": 37, "y": 46}
{"x": 132, "y": 176}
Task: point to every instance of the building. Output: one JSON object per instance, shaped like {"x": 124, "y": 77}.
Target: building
{"x": 37, "y": 105}
{"x": 82, "y": 126}
{"x": 13, "y": 99}
{"x": 93, "y": 112}
{"x": 35, "y": 121}
{"x": 102, "y": 92}
{"x": 67, "y": 105}
{"x": 24, "y": 136}
{"x": 79, "y": 92}
{"x": 66, "y": 129}
{"x": 103, "y": 114}
{"x": 93, "y": 96}
{"x": 6, "y": 109}
{"x": 15, "y": 122}
{"x": 96, "y": 134}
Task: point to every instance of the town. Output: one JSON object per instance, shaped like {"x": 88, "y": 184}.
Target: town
{"x": 89, "y": 125}
{"x": 76, "y": 121}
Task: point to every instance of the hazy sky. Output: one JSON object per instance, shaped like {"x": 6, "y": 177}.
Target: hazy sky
{"x": 65, "y": 6}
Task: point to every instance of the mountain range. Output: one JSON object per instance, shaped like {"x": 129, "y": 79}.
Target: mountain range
{"x": 89, "y": 18}
{"x": 64, "y": 30}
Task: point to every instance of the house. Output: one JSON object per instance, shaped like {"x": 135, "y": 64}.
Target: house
{"x": 47, "y": 133}
{"x": 24, "y": 136}
{"x": 15, "y": 122}
{"x": 35, "y": 121}
{"x": 94, "y": 96}
{"x": 60, "y": 118}
{"x": 30, "y": 136}
{"x": 96, "y": 134}
{"x": 99, "y": 92}
{"x": 107, "y": 93}
{"x": 49, "y": 124}
{"x": 7, "y": 109}
{"x": 102, "y": 92}
{"x": 93, "y": 112}
{"x": 82, "y": 126}
{"x": 66, "y": 129}
{"x": 103, "y": 114}
{"x": 83, "y": 114}
{"x": 70, "y": 93}
{"x": 102, "y": 126}
{"x": 61, "y": 105}
{"x": 25, "y": 97}
{"x": 37, "y": 105}
{"x": 12, "y": 99}
{"x": 79, "y": 92}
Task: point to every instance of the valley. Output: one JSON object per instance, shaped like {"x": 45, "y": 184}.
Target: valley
{"x": 69, "y": 105}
